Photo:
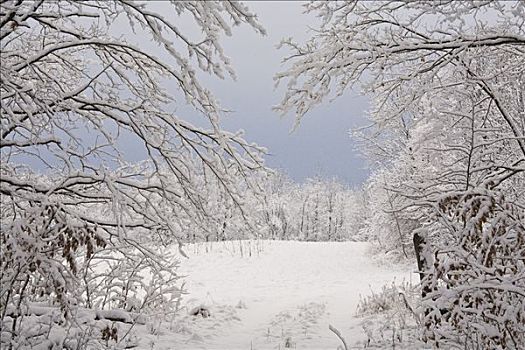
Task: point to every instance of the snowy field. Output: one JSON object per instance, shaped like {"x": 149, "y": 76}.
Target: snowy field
{"x": 273, "y": 295}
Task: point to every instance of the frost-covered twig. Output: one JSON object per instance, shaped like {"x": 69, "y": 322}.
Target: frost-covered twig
{"x": 338, "y": 334}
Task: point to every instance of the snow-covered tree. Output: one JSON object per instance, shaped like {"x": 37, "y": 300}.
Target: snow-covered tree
{"x": 386, "y": 225}
{"x": 448, "y": 134}
{"x": 76, "y": 97}
{"x": 316, "y": 210}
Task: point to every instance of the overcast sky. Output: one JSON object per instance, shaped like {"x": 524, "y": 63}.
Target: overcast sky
{"x": 321, "y": 145}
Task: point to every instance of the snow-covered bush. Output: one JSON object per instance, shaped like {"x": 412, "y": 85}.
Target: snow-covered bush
{"x": 390, "y": 317}
{"x": 477, "y": 281}
{"x": 136, "y": 283}
{"x": 389, "y": 297}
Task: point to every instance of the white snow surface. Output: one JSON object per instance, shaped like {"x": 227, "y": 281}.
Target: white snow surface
{"x": 282, "y": 296}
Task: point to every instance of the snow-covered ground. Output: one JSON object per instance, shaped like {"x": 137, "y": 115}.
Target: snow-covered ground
{"x": 273, "y": 295}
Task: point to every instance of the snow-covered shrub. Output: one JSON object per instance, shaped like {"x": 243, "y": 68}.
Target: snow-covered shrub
{"x": 40, "y": 260}
{"x": 138, "y": 283}
{"x": 477, "y": 282}
{"x": 389, "y": 297}
{"x": 391, "y": 317}
{"x": 56, "y": 270}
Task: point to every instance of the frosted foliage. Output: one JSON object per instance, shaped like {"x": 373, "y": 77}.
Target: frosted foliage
{"x": 477, "y": 283}
{"x": 81, "y": 226}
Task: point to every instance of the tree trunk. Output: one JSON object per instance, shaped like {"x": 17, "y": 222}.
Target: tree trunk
{"x": 422, "y": 264}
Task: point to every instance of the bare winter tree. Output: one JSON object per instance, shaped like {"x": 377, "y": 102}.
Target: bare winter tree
{"x": 447, "y": 81}
{"x": 80, "y": 222}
